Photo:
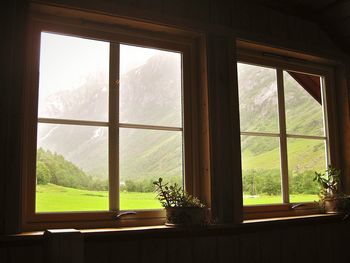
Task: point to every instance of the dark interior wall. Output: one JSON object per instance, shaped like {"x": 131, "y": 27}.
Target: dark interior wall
{"x": 242, "y": 18}
{"x": 288, "y": 243}
{"x": 13, "y": 14}
{"x": 222, "y": 19}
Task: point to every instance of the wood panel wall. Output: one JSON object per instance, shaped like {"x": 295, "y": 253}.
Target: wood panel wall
{"x": 223, "y": 21}
{"x": 302, "y": 243}
{"x": 13, "y": 15}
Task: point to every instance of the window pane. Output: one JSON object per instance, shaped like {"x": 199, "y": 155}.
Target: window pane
{"x": 71, "y": 168}
{"x": 261, "y": 170}
{"x": 146, "y": 155}
{"x": 257, "y": 98}
{"x": 150, "y": 86}
{"x": 304, "y": 113}
{"x": 73, "y": 81}
{"x": 305, "y": 156}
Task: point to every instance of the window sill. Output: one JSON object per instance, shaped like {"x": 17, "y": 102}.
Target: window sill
{"x": 295, "y": 219}
{"x": 167, "y": 231}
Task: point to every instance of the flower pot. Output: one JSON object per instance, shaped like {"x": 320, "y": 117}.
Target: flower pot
{"x": 331, "y": 206}
{"x": 185, "y": 216}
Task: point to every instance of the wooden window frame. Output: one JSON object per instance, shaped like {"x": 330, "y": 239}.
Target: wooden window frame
{"x": 282, "y": 60}
{"x": 78, "y": 23}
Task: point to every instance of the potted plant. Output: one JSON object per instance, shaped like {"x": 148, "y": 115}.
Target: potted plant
{"x": 182, "y": 209}
{"x": 332, "y": 198}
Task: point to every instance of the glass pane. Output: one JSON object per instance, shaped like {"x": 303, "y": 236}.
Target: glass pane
{"x": 305, "y": 156}
{"x": 257, "y": 98}
{"x": 304, "y": 113}
{"x": 150, "y": 86}
{"x": 261, "y": 170}
{"x": 73, "y": 81}
{"x": 71, "y": 168}
{"x": 146, "y": 155}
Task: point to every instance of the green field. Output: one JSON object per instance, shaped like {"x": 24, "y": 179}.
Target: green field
{"x": 53, "y": 198}
{"x": 266, "y": 199}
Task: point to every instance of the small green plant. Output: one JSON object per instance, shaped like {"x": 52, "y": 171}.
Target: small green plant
{"x": 332, "y": 198}
{"x": 329, "y": 183}
{"x": 174, "y": 196}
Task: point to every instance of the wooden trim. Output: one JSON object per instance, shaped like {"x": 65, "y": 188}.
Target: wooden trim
{"x": 257, "y": 58}
{"x": 270, "y": 134}
{"x": 280, "y": 210}
{"x": 226, "y": 182}
{"x": 81, "y": 220}
{"x": 29, "y": 126}
{"x": 309, "y": 137}
{"x": 283, "y": 137}
{"x": 149, "y": 127}
{"x": 284, "y": 61}
{"x": 263, "y": 134}
{"x": 72, "y": 122}
{"x": 44, "y": 11}
{"x": 282, "y": 53}
{"x": 113, "y": 131}
{"x": 204, "y": 181}
{"x": 186, "y": 43}
{"x": 142, "y": 232}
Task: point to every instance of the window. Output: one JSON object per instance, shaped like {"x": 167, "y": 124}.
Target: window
{"x": 284, "y": 133}
{"x": 115, "y": 111}
{"x": 84, "y": 137}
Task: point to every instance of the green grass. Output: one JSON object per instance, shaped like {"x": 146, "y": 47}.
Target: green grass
{"x": 301, "y": 153}
{"x": 266, "y": 199}
{"x": 53, "y": 198}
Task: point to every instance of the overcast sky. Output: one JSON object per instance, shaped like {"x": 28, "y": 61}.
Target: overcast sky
{"x": 65, "y": 61}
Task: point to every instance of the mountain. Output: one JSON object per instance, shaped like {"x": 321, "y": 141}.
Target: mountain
{"x": 149, "y": 95}
{"x": 259, "y": 113}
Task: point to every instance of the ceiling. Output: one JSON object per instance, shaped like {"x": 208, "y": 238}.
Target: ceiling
{"x": 333, "y": 16}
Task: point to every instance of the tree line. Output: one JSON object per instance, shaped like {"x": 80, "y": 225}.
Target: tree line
{"x": 268, "y": 182}
{"x": 55, "y": 169}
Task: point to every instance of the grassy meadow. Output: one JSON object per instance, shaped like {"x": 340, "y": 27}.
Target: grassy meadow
{"x": 54, "y": 198}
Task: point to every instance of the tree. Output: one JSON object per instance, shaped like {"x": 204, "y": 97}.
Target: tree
{"x": 43, "y": 173}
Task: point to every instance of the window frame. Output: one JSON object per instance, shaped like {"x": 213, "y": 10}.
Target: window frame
{"x": 284, "y": 60}
{"x": 124, "y": 31}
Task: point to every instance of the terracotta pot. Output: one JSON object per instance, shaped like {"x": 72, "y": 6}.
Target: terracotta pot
{"x": 185, "y": 216}
{"x": 331, "y": 206}
{"x": 337, "y": 205}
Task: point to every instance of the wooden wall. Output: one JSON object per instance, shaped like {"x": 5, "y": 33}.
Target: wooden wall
{"x": 241, "y": 18}
{"x": 289, "y": 243}
{"x": 303, "y": 243}
{"x": 222, "y": 20}
{"x": 13, "y": 15}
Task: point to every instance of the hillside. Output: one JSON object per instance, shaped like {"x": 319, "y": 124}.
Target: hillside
{"x": 149, "y": 94}
{"x": 259, "y": 113}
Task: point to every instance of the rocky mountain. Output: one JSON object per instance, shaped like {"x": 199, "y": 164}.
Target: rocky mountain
{"x": 149, "y": 95}
{"x": 259, "y": 113}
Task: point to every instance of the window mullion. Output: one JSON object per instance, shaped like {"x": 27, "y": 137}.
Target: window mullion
{"x": 325, "y": 120}
{"x": 113, "y": 135}
{"x": 283, "y": 136}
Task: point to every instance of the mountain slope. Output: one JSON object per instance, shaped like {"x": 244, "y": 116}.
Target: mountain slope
{"x": 149, "y": 94}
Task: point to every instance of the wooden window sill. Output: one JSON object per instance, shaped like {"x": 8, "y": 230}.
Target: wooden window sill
{"x": 288, "y": 219}
{"x": 168, "y": 231}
